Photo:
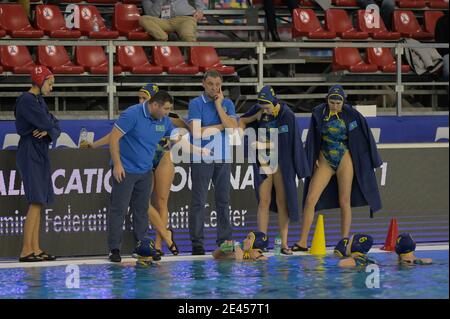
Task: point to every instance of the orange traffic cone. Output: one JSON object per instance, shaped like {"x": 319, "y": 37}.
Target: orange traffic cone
{"x": 391, "y": 237}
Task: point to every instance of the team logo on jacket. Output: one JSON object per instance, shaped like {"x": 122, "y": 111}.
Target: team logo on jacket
{"x": 160, "y": 128}
{"x": 352, "y": 125}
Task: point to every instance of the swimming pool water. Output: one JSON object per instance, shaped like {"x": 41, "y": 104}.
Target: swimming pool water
{"x": 291, "y": 277}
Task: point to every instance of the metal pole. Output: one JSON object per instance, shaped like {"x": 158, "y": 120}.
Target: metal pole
{"x": 111, "y": 88}
{"x": 260, "y": 50}
{"x": 434, "y": 99}
{"x": 399, "y": 87}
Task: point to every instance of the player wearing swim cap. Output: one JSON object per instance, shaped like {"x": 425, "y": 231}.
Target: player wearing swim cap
{"x": 342, "y": 153}
{"x": 37, "y": 128}
{"x": 280, "y": 160}
{"x": 253, "y": 246}
{"x": 146, "y": 252}
{"x": 405, "y": 247}
{"x": 354, "y": 253}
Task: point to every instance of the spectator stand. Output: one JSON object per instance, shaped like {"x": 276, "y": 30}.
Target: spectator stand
{"x": 257, "y": 63}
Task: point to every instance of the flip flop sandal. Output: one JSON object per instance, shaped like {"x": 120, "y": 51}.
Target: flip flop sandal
{"x": 286, "y": 251}
{"x": 296, "y": 247}
{"x": 30, "y": 258}
{"x": 47, "y": 257}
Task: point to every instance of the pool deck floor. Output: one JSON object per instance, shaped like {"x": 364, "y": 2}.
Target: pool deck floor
{"x": 127, "y": 259}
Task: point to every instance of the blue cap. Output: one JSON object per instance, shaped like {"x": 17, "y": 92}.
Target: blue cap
{"x": 360, "y": 244}
{"x": 341, "y": 248}
{"x": 146, "y": 248}
{"x": 261, "y": 240}
{"x": 405, "y": 244}
{"x": 267, "y": 96}
{"x": 150, "y": 89}
{"x": 336, "y": 92}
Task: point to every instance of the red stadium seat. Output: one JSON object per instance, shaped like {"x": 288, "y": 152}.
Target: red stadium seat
{"x": 94, "y": 60}
{"x": 132, "y": 1}
{"x": 50, "y": 20}
{"x": 133, "y": 59}
{"x": 430, "y": 19}
{"x": 406, "y": 23}
{"x": 349, "y": 59}
{"x": 206, "y": 58}
{"x": 384, "y": 60}
{"x": 345, "y": 3}
{"x": 1, "y": 69}
{"x": 16, "y": 58}
{"x": 2, "y": 33}
{"x": 366, "y": 22}
{"x": 14, "y": 20}
{"x": 338, "y": 21}
{"x": 126, "y": 21}
{"x": 103, "y": 1}
{"x": 280, "y": 3}
{"x": 411, "y": 3}
{"x": 88, "y": 14}
{"x": 437, "y": 4}
{"x": 172, "y": 61}
{"x": 305, "y": 23}
{"x": 57, "y": 60}
{"x": 307, "y": 3}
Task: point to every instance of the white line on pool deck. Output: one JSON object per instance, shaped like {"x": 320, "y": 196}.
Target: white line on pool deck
{"x": 6, "y": 264}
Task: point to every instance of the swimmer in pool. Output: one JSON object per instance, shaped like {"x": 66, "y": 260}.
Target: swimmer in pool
{"x": 252, "y": 250}
{"x": 354, "y": 251}
{"x": 405, "y": 247}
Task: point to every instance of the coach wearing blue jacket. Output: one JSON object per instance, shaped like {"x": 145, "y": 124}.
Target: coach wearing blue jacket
{"x": 342, "y": 150}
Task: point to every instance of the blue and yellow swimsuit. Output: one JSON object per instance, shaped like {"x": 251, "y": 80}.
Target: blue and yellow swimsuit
{"x": 334, "y": 139}
{"x": 161, "y": 148}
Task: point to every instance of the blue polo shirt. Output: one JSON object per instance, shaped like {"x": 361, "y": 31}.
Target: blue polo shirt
{"x": 204, "y": 109}
{"x": 141, "y": 135}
